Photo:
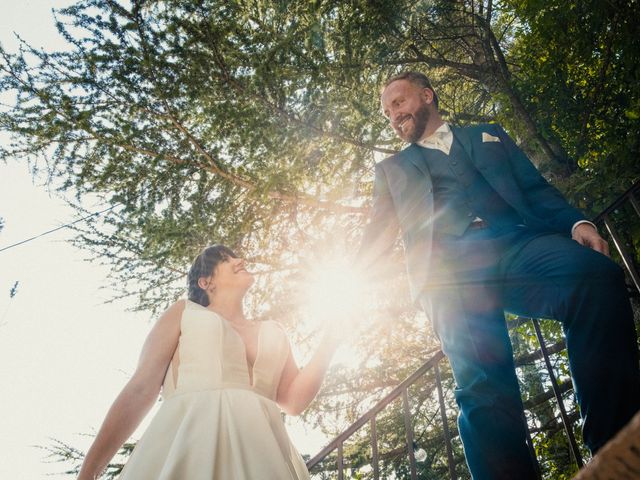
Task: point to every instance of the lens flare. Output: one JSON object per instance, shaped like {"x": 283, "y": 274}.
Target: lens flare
{"x": 333, "y": 295}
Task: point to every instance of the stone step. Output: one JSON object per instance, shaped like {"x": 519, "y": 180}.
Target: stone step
{"x": 619, "y": 459}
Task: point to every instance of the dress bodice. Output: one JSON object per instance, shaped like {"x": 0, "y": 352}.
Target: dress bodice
{"x": 211, "y": 355}
{"x": 218, "y": 422}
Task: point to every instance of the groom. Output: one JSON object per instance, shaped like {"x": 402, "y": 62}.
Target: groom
{"x": 484, "y": 233}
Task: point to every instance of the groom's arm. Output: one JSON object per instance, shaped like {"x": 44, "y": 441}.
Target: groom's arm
{"x": 548, "y": 202}
{"x": 381, "y": 232}
{"x": 543, "y": 198}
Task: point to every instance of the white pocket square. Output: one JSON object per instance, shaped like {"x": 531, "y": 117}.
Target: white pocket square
{"x": 489, "y": 138}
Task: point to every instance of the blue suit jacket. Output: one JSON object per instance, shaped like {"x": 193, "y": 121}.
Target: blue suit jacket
{"x": 403, "y": 199}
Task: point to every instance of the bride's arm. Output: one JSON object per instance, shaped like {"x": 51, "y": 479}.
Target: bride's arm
{"x": 139, "y": 394}
{"x": 298, "y": 387}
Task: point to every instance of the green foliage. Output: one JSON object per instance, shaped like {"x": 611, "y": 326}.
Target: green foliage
{"x": 545, "y": 424}
{"x": 256, "y": 124}
{"x": 578, "y": 65}
{"x": 61, "y": 452}
{"x": 14, "y": 289}
{"x": 543, "y": 416}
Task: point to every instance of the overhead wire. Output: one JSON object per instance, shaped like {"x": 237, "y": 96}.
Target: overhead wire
{"x": 57, "y": 228}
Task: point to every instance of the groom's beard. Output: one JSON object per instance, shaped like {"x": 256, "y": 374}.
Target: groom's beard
{"x": 420, "y": 120}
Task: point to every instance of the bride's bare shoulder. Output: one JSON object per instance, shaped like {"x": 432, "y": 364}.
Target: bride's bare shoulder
{"x": 174, "y": 312}
{"x": 178, "y": 306}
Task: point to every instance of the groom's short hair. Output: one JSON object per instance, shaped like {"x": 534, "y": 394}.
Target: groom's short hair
{"x": 417, "y": 78}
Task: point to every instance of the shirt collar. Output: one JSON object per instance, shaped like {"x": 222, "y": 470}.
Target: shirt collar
{"x": 441, "y": 139}
{"x": 444, "y": 128}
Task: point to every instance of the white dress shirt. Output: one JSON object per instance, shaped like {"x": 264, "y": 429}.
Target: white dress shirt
{"x": 441, "y": 139}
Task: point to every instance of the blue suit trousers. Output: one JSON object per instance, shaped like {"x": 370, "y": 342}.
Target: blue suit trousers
{"x": 482, "y": 274}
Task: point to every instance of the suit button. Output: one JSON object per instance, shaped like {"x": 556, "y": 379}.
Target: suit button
{"x": 454, "y": 162}
{"x": 469, "y": 214}
{"x": 431, "y": 190}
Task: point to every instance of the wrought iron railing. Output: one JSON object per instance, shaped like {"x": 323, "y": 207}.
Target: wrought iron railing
{"x": 629, "y": 201}
{"x": 620, "y": 233}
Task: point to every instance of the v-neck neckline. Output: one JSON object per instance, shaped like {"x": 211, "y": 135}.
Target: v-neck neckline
{"x": 250, "y": 368}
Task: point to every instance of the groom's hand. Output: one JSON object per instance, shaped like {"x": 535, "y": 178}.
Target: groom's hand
{"x": 337, "y": 327}
{"x": 586, "y": 235}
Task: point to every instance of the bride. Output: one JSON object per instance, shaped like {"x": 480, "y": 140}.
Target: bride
{"x": 223, "y": 378}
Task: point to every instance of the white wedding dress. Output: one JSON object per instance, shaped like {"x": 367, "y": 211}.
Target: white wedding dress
{"x": 214, "y": 423}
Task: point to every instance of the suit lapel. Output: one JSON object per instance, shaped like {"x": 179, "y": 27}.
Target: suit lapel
{"x": 414, "y": 155}
{"x": 462, "y": 135}
{"x": 497, "y": 174}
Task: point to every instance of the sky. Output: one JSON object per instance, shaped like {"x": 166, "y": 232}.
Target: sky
{"x": 64, "y": 353}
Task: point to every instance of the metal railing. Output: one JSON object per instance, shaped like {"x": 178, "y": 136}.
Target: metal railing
{"x": 629, "y": 198}
{"x": 370, "y": 417}
{"x": 627, "y": 257}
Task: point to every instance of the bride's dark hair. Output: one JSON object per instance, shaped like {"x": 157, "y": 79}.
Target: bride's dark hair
{"x": 204, "y": 266}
